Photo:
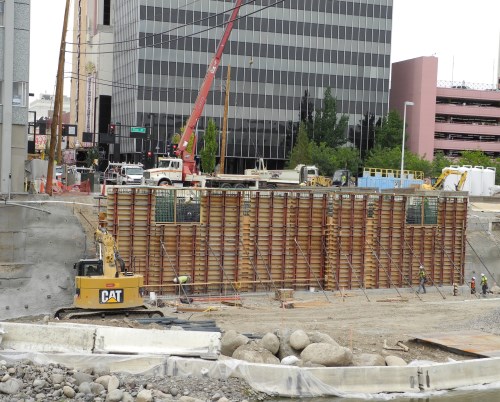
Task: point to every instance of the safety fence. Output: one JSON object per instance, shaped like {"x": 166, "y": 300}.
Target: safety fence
{"x": 240, "y": 241}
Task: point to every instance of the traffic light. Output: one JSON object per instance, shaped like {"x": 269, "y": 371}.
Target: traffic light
{"x": 149, "y": 154}
{"x": 174, "y": 148}
{"x": 111, "y": 129}
{"x": 168, "y": 148}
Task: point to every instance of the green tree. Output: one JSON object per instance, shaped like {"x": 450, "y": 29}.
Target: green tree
{"x": 328, "y": 160}
{"x": 390, "y": 132}
{"x": 301, "y": 152}
{"x": 390, "y": 158}
{"x": 474, "y": 158}
{"x": 440, "y": 161}
{"x": 327, "y": 127}
{"x": 209, "y": 151}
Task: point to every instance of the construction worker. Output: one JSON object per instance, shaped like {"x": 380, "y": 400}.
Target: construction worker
{"x": 484, "y": 284}
{"x": 183, "y": 281}
{"x": 422, "y": 279}
{"x": 473, "y": 286}
{"x": 343, "y": 180}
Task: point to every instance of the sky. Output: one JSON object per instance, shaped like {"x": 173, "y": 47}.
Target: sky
{"x": 464, "y": 35}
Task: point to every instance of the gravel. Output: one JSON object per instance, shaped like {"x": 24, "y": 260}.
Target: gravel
{"x": 22, "y": 381}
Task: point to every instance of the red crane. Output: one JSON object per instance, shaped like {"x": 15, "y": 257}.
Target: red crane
{"x": 189, "y": 165}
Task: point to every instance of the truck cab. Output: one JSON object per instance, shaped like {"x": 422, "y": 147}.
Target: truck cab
{"x": 126, "y": 174}
{"x": 168, "y": 172}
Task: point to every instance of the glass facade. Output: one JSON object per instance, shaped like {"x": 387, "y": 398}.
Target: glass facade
{"x": 278, "y": 51}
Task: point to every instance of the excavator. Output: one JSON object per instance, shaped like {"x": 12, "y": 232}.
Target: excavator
{"x": 103, "y": 286}
{"x": 440, "y": 181}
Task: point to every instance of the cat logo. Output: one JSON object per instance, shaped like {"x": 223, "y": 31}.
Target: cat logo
{"x": 109, "y": 296}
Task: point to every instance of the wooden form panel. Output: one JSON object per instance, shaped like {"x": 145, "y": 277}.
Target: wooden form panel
{"x": 265, "y": 240}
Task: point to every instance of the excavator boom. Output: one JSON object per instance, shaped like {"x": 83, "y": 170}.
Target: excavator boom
{"x": 188, "y": 157}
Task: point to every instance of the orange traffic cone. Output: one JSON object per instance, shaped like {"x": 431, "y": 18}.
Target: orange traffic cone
{"x": 42, "y": 185}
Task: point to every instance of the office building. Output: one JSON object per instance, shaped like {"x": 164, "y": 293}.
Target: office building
{"x": 14, "y": 77}
{"x": 278, "y": 51}
{"x": 446, "y": 116}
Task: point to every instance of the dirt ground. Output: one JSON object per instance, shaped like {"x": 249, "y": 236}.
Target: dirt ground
{"x": 364, "y": 322}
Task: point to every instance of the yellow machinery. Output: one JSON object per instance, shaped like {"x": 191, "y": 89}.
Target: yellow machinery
{"x": 103, "y": 285}
{"x": 444, "y": 175}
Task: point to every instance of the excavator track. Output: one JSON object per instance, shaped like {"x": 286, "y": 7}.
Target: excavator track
{"x": 69, "y": 313}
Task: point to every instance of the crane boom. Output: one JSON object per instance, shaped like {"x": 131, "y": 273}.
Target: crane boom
{"x": 189, "y": 165}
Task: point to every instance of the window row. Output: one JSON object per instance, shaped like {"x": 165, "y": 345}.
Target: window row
{"x": 174, "y": 69}
{"x": 354, "y": 8}
{"x": 272, "y": 51}
{"x": 255, "y": 24}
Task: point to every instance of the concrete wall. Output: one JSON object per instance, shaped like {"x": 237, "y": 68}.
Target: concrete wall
{"x": 39, "y": 243}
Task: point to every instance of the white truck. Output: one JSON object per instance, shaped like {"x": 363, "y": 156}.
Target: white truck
{"x": 169, "y": 173}
{"x": 126, "y": 174}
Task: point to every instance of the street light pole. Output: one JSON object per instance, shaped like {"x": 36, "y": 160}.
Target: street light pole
{"x": 407, "y": 103}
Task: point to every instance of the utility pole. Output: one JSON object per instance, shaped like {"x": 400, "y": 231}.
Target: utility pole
{"x": 224, "y": 123}
{"x": 56, "y": 117}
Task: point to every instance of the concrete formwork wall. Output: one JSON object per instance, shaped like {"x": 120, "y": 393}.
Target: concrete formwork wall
{"x": 245, "y": 240}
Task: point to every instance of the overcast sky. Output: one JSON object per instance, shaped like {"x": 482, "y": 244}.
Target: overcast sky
{"x": 464, "y": 35}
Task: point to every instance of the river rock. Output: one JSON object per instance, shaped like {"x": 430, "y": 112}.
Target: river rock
{"x": 253, "y": 353}
{"x": 285, "y": 347}
{"x": 68, "y": 392}
{"x": 232, "y": 341}
{"x": 392, "y": 360}
{"x": 270, "y": 342}
{"x": 368, "y": 359}
{"x": 80, "y": 377}
{"x": 299, "y": 339}
{"x": 113, "y": 383}
{"x": 327, "y": 354}
{"x": 10, "y": 387}
{"x": 114, "y": 396}
{"x": 144, "y": 395}
{"x": 320, "y": 337}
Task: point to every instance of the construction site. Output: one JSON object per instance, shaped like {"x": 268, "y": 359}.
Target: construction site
{"x": 344, "y": 263}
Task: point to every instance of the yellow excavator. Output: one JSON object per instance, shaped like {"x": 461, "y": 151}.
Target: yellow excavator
{"x": 439, "y": 182}
{"x": 103, "y": 286}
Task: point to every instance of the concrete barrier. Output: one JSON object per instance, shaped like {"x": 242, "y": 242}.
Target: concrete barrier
{"x": 148, "y": 351}
{"x": 153, "y": 341}
{"x": 45, "y": 339}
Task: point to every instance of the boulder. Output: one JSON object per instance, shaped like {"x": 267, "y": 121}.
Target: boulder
{"x": 368, "y": 359}
{"x": 320, "y": 337}
{"x": 285, "y": 347}
{"x": 232, "y": 341}
{"x": 392, "y": 360}
{"x": 253, "y": 353}
{"x": 299, "y": 340}
{"x": 327, "y": 354}
{"x": 270, "y": 342}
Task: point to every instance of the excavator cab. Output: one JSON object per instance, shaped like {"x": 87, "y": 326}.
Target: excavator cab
{"x": 341, "y": 178}
{"x": 89, "y": 268}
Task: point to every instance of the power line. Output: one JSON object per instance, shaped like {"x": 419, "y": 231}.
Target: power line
{"x": 181, "y": 37}
{"x": 168, "y": 31}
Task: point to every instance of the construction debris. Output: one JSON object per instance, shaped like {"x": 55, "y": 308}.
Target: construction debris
{"x": 304, "y": 303}
{"x": 399, "y": 346}
{"x": 394, "y": 299}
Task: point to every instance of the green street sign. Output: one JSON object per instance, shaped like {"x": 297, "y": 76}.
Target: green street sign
{"x": 137, "y": 132}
